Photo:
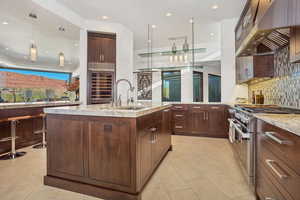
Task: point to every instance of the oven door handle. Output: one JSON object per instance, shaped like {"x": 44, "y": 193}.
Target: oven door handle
{"x": 244, "y": 135}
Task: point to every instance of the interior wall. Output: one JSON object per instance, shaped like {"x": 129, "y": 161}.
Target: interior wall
{"x": 284, "y": 88}
{"x": 230, "y": 90}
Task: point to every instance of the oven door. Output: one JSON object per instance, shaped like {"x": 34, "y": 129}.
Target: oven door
{"x": 244, "y": 151}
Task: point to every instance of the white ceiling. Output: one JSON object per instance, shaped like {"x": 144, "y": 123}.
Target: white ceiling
{"x": 16, "y": 37}
{"x": 136, "y": 14}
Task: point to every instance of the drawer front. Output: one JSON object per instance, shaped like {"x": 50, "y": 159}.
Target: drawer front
{"x": 197, "y": 108}
{"x": 281, "y": 172}
{"x": 179, "y": 127}
{"x": 179, "y": 116}
{"x": 285, "y": 145}
{"x": 216, "y": 107}
{"x": 180, "y": 107}
{"x": 266, "y": 189}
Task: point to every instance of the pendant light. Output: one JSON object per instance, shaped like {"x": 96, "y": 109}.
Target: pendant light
{"x": 33, "y": 52}
{"x": 61, "y": 58}
{"x": 33, "y": 48}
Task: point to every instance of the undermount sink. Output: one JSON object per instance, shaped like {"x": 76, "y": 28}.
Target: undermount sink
{"x": 130, "y": 108}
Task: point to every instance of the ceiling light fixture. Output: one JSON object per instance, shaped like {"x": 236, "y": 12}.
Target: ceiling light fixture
{"x": 61, "y": 57}
{"x": 76, "y": 45}
{"x": 33, "y": 52}
{"x": 212, "y": 34}
{"x": 4, "y": 23}
{"x": 214, "y": 7}
{"x": 6, "y": 48}
{"x": 62, "y": 29}
{"x": 153, "y": 26}
{"x": 168, "y": 14}
{"x": 105, "y": 17}
{"x": 191, "y": 21}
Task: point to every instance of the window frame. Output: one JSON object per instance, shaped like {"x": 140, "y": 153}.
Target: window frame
{"x": 220, "y": 87}
{"x": 202, "y": 86}
{"x": 162, "y": 85}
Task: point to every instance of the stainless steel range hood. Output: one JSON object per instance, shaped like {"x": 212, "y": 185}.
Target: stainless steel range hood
{"x": 265, "y": 28}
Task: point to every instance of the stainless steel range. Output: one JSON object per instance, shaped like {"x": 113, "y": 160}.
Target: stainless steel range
{"x": 242, "y": 134}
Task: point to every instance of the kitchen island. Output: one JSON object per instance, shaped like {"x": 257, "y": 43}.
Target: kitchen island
{"x": 104, "y": 151}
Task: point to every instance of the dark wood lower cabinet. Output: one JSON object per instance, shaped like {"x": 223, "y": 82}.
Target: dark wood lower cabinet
{"x": 25, "y": 128}
{"x": 200, "y": 120}
{"x": 278, "y": 166}
{"x": 115, "y": 155}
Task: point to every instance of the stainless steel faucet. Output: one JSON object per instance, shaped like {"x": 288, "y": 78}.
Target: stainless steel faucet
{"x": 115, "y": 97}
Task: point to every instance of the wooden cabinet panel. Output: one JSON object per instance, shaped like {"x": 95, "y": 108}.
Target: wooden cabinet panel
{"x": 217, "y": 121}
{"x": 295, "y": 44}
{"x": 145, "y": 147}
{"x": 277, "y": 158}
{"x": 65, "y": 142}
{"x": 288, "y": 151}
{"x": 266, "y": 189}
{"x": 109, "y": 151}
{"x": 101, "y": 48}
{"x": 198, "y": 121}
{"x": 201, "y": 120}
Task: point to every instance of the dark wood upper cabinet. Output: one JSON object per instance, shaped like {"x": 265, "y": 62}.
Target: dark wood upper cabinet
{"x": 253, "y": 67}
{"x": 101, "y": 48}
{"x": 295, "y": 44}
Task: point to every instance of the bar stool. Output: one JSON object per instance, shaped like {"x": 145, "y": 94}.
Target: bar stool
{"x": 43, "y": 145}
{"x": 13, "y": 123}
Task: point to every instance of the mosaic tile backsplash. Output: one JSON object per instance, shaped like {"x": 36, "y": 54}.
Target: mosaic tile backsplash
{"x": 284, "y": 88}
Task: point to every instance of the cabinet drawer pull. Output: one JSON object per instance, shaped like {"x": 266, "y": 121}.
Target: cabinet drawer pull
{"x": 272, "y": 136}
{"x": 215, "y": 107}
{"x": 197, "y": 107}
{"x": 167, "y": 110}
{"x": 179, "y": 127}
{"x": 269, "y": 198}
{"x": 178, "y": 107}
{"x": 178, "y": 115}
{"x": 271, "y": 163}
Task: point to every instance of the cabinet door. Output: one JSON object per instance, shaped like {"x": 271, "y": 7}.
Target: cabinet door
{"x": 295, "y": 44}
{"x": 109, "y": 50}
{"x": 216, "y": 120}
{"x": 198, "y": 120}
{"x": 65, "y": 146}
{"x": 162, "y": 136}
{"x": 109, "y": 155}
{"x": 145, "y": 146}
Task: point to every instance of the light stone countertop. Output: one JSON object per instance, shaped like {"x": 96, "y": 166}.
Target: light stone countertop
{"x": 106, "y": 110}
{"x": 288, "y": 122}
{"x": 36, "y": 104}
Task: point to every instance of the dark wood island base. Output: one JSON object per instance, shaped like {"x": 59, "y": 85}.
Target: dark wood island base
{"x": 107, "y": 157}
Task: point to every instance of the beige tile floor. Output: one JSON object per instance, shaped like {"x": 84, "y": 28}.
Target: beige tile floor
{"x": 196, "y": 169}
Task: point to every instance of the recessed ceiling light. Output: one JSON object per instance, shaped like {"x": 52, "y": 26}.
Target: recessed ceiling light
{"x": 105, "y": 17}
{"x": 153, "y": 26}
{"x": 168, "y": 14}
{"x": 76, "y": 45}
{"x": 212, "y": 34}
{"x": 4, "y": 23}
{"x": 6, "y": 48}
{"x": 214, "y": 7}
{"x": 191, "y": 20}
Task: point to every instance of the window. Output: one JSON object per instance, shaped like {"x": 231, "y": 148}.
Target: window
{"x": 171, "y": 86}
{"x": 214, "y": 88}
{"x": 197, "y": 86}
{"x": 19, "y": 85}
